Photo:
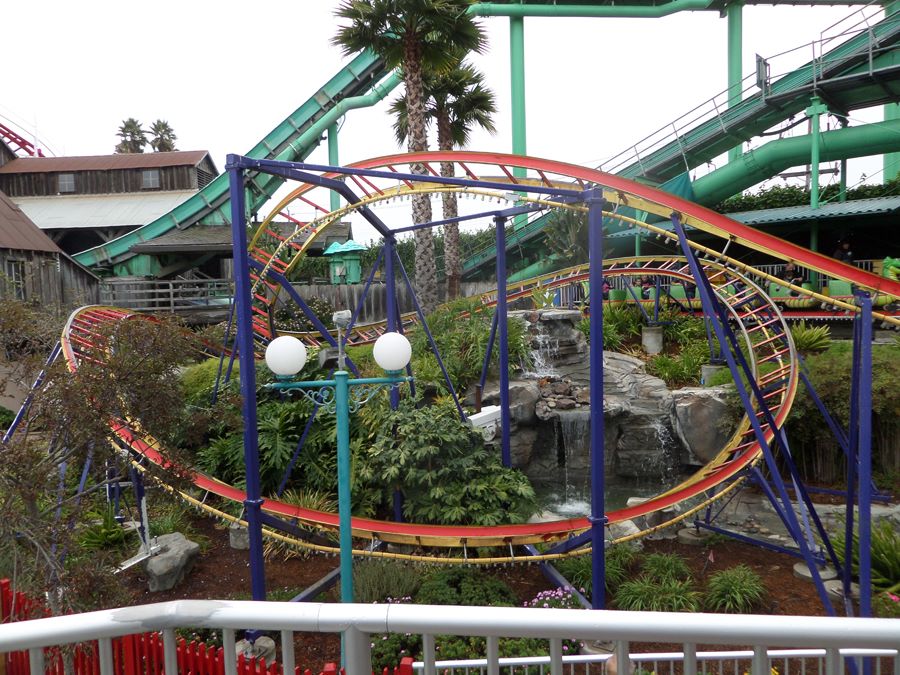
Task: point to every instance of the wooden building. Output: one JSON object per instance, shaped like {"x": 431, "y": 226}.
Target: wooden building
{"x": 34, "y": 269}
{"x": 82, "y": 202}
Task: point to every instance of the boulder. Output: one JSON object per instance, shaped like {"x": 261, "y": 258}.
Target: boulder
{"x": 702, "y": 422}
{"x": 172, "y": 563}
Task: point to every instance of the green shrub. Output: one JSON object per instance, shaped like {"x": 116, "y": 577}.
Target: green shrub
{"x": 446, "y": 472}
{"x": 683, "y": 368}
{"x": 622, "y": 320}
{"x": 104, "y": 533}
{"x": 885, "y": 552}
{"x": 809, "y": 339}
{"x": 886, "y": 605}
{"x": 377, "y": 580}
{"x": 6, "y": 418}
{"x": 464, "y": 586}
{"x": 663, "y": 566}
{"x": 657, "y": 595}
{"x": 738, "y": 590}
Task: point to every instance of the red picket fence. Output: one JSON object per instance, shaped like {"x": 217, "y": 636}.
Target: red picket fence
{"x": 141, "y": 654}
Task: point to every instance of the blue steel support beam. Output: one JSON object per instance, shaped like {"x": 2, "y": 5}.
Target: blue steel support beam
{"x": 865, "y": 457}
{"x": 246, "y": 354}
{"x": 595, "y": 202}
{"x": 502, "y": 339}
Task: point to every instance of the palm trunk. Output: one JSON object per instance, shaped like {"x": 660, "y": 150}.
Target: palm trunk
{"x": 426, "y": 274}
{"x": 452, "y": 263}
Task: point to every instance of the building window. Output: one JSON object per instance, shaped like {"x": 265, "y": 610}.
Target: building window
{"x": 150, "y": 179}
{"x": 66, "y": 182}
{"x": 15, "y": 278}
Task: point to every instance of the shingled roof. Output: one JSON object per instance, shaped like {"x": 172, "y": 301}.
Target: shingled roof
{"x": 134, "y": 160}
{"x": 18, "y": 232}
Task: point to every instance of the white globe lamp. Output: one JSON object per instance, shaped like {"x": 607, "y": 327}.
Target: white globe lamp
{"x": 286, "y": 356}
{"x": 392, "y": 352}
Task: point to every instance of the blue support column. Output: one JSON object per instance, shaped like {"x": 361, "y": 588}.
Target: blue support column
{"x": 594, "y": 200}
{"x": 247, "y": 361}
{"x": 864, "y": 446}
{"x": 503, "y": 340}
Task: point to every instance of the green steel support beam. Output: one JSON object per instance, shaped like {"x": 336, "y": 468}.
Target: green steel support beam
{"x": 815, "y": 110}
{"x": 589, "y": 11}
{"x": 891, "y": 112}
{"x": 734, "y": 14}
{"x": 333, "y": 160}
{"x": 517, "y": 90}
{"x": 776, "y": 156}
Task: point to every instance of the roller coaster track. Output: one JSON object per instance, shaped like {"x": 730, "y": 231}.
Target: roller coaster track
{"x": 754, "y": 315}
{"x": 760, "y": 324}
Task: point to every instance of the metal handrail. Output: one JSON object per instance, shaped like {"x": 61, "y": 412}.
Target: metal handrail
{"x": 358, "y": 621}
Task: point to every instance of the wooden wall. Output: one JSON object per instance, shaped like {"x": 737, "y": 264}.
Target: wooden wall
{"x": 51, "y": 279}
{"x": 99, "y": 182}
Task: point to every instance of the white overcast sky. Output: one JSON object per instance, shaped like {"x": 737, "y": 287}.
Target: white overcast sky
{"x": 224, "y": 73}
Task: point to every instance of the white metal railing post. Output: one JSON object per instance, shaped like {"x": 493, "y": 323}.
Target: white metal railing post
{"x": 556, "y": 663}
{"x": 287, "y": 652}
{"x": 623, "y": 662}
{"x": 106, "y": 656}
{"x": 760, "y": 664}
{"x": 170, "y": 652}
{"x": 493, "y": 655}
{"x": 832, "y": 661}
{"x": 428, "y": 654}
{"x": 229, "y": 650}
{"x": 358, "y": 653}
{"x": 36, "y": 661}
{"x": 690, "y": 658}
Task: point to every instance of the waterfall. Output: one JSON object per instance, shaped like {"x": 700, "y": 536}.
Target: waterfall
{"x": 544, "y": 350}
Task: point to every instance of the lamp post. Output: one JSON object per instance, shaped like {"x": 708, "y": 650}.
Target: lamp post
{"x": 286, "y": 356}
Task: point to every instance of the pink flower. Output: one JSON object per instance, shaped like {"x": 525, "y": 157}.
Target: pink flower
{"x": 893, "y": 597}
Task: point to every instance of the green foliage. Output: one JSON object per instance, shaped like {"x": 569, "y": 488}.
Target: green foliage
{"x": 445, "y": 471}
{"x": 567, "y": 236}
{"x": 6, "y": 418}
{"x": 886, "y": 605}
{"x": 461, "y": 330}
{"x": 663, "y": 566}
{"x": 812, "y": 444}
{"x": 622, "y": 320}
{"x": 737, "y": 590}
{"x": 377, "y": 580}
{"x": 318, "y": 500}
{"x": 809, "y": 339}
{"x": 619, "y": 561}
{"x": 681, "y": 369}
{"x": 542, "y": 297}
{"x": 199, "y": 379}
{"x": 289, "y": 317}
{"x": 104, "y": 533}
{"x": 464, "y": 586}
{"x": 648, "y": 594}
{"x": 789, "y": 195}
{"x": 885, "y": 552}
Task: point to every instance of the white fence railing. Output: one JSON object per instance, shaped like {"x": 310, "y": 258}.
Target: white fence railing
{"x": 358, "y": 622}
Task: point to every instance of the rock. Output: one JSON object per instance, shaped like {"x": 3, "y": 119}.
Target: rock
{"x": 551, "y": 403}
{"x": 523, "y": 395}
{"x": 172, "y": 563}
{"x": 262, "y": 648}
{"x": 702, "y": 421}
{"x": 583, "y": 395}
{"x": 561, "y": 388}
{"x": 238, "y": 537}
{"x": 565, "y": 404}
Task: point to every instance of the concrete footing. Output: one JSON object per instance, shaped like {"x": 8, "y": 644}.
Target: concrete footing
{"x": 652, "y": 339}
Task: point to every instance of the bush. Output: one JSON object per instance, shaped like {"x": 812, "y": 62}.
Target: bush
{"x": 104, "y": 533}
{"x": 377, "y": 580}
{"x": 886, "y": 605}
{"x": 578, "y": 571}
{"x": 885, "y": 551}
{"x": 665, "y": 566}
{"x": 738, "y": 590}
{"x": 445, "y": 471}
{"x": 683, "y": 368}
{"x": 464, "y": 586}
{"x": 657, "y": 595}
{"x": 809, "y": 339}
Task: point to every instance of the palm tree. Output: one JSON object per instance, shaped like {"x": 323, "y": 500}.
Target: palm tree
{"x": 458, "y": 100}
{"x": 419, "y": 36}
{"x": 163, "y": 137}
{"x": 133, "y": 137}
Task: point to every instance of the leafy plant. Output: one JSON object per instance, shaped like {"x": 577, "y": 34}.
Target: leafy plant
{"x": 578, "y": 570}
{"x": 886, "y": 605}
{"x": 809, "y": 339}
{"x": 318, "y": 500}
{"x": 663, "y": 566}
{"x": 464, "y": 586}
{"x": 682, "y": 368}
{"x": 737, "y": 590}
{"x": 649, "y": 594}
{"x": 885, "y": 552}
{"x": 445, "y": 471}
{"x": 104, "y": 533}
{"x": 542, "y": 297}
{"x": 376, "y": 580}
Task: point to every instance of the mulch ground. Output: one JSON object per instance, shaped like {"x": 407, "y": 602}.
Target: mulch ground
{"x": 222, "y": 572}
